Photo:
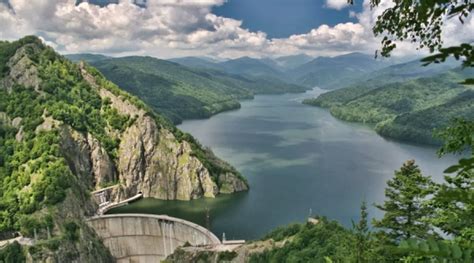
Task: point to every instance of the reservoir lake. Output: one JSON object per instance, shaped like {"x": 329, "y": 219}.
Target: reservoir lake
{"x": 299, "y": 161}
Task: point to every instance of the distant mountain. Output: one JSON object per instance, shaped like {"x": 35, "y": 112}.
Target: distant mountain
{"x": 250, "y": 67}
{"x": 409, "y": 110}
{"x": 279, "y": 64}
{"x": 196, "y": 62}
{"x": 86, "y": 57}
{"x": 291, "y": 62}
{"x": 409, "y": 70}
{"x": 392, "y": 74}
{"x": 181, "y": 92}
{"x": 335, "y": 72}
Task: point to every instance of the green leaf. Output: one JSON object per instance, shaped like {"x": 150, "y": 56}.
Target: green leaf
{"x": 466, "y": 162}
{"x": 445, "y": 249}
{"x": 424, "y": 247}
{"x": 404, "y": 244}
{"x": 456, "y": 251}
{"x": 433, "y": 245}
{"x": 452, "y": 169}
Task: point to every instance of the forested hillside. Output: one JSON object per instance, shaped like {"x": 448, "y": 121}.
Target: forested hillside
{"x": 180, "y": 92}
{"x": 411, "y": 110}
{"x": 65, "y": 131}
{"x": 86, "y": 57}
{"x": 196, "y": 62}
{"x": 335, "y": 72}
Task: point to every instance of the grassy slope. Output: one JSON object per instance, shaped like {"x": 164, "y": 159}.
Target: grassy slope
{"x": 409, "y": 110}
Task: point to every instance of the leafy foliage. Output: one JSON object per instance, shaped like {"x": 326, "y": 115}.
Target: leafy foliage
{"x": 281, "y": 233}
{"x": 311, "y": 244}
{"x": 13, "y": 253}
{"x": 33, "y": 171}
{"x": 421, "y": 22}
{"x": 435, "y": 251}
{"x": 7, "y": 50}
{"x": 362, "y": 236}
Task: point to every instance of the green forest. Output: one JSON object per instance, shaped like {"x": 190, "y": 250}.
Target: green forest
{"x": 35, "y": 176}
{"x": 411, "y": 110}
{"x": 179, "y": 92}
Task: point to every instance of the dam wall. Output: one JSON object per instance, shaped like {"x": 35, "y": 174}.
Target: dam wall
{"x": 148, "y": 238}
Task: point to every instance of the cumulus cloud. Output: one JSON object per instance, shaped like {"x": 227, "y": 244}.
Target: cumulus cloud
{"x": 336, "y": 4}
{"x": 168, "y": 28}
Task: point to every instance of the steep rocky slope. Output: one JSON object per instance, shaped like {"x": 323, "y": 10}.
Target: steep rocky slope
{"x": 66, "y": 131}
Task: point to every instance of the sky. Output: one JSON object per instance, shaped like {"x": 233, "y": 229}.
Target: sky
{"x": 215, "y": 28}
{"x": 283, "y": 18}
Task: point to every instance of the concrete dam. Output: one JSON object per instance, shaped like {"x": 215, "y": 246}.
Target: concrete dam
{"x": 148, "y": 238}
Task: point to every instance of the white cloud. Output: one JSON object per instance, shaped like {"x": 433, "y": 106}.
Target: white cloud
{"x": 169, "y": 28}
{"x": 336, "y": 4}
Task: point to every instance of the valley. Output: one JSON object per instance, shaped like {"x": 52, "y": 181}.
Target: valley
{"x": 89, "y": 136}
{"x": 297, "y": 159}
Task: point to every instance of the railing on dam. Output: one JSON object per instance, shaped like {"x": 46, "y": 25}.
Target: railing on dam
{"x": 148, "y": 238}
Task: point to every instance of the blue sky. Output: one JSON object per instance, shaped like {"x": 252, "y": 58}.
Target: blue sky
{"x": 282, "y": 18}
{"x": 215, "y": 28}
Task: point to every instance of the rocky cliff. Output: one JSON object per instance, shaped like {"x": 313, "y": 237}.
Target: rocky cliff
{"x": 150, "y": 159}
{"x": 98, "y": 136}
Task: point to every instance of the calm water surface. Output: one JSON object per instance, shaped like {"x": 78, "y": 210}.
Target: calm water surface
{"x": 298, "y": 160}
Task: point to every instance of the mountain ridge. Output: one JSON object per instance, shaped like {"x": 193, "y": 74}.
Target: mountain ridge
{"x": 181, "y": 92}
{"x": 407, "y": 109}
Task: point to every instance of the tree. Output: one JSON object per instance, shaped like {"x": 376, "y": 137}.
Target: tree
{"x": 453, "y": 204}
{"x": 421, "y": 22}
{"x": 12, "y": 253}
{"x": 406, "y": 209}
{"x": 362, "y": 235}
{"x": 455, "y": 199}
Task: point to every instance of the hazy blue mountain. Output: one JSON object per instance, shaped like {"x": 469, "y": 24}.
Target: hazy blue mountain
{"x": 250, "y": 67}
{"x": 88, "y": 57}
{"x": 234, "y": 65}
{"x": 335, "y": 72}
{"x": 196, "y": 62}
{"x": 291, "y": 62}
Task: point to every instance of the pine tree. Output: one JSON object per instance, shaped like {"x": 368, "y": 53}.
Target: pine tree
{"x": 454, "y": 201}
{"x": 362, "y": 235}
{"x": 405, "y": 208}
